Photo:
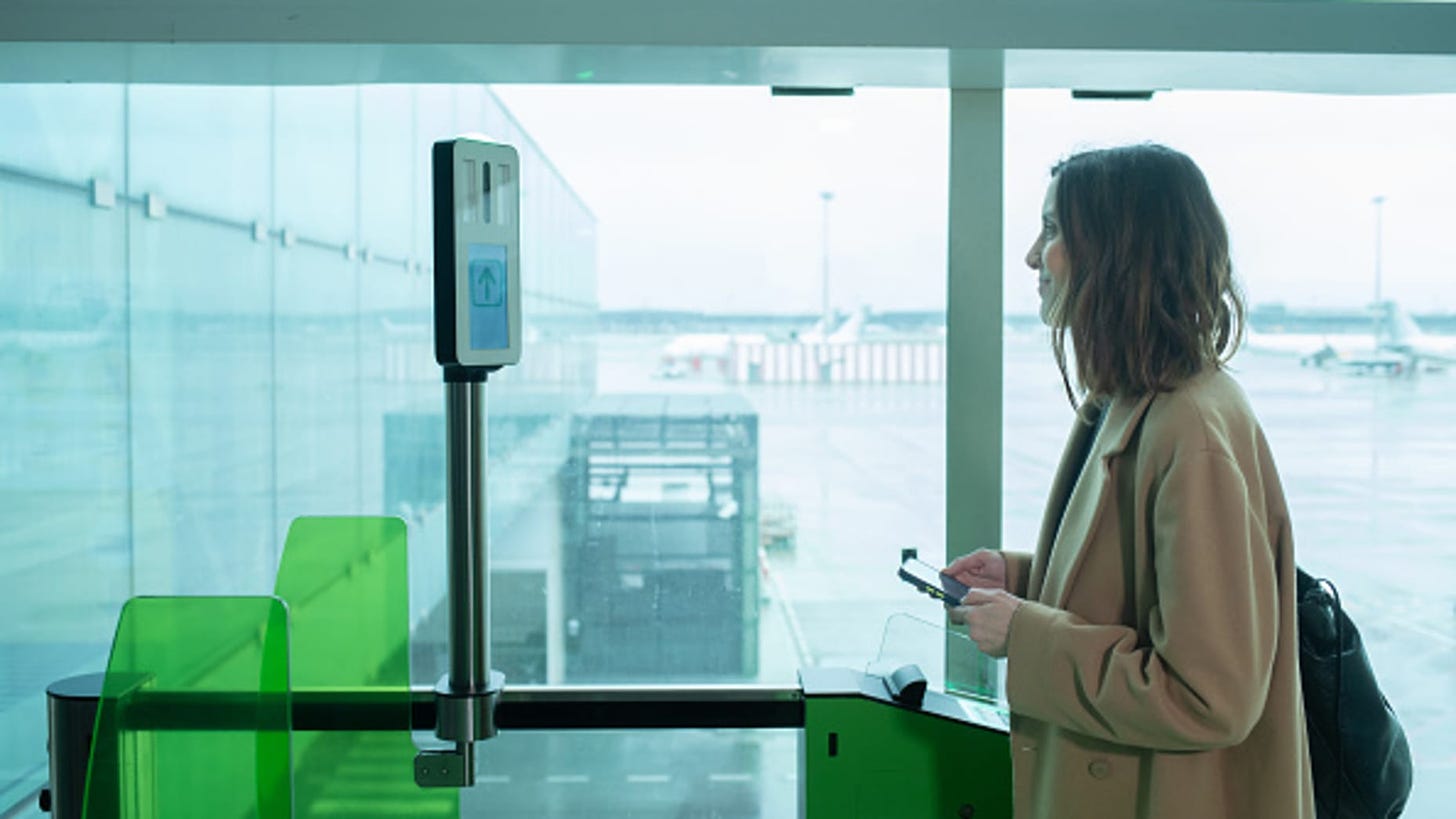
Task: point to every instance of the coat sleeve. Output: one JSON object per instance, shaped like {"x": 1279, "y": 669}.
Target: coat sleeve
{"x": 1200, "y": 676}
{"x": 1018, "y": 572}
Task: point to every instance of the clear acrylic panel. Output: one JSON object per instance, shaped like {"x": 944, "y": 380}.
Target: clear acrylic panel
{"x": 947, "y": 657}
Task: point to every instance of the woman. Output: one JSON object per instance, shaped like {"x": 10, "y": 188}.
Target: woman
{"x": 1152, "y": 663}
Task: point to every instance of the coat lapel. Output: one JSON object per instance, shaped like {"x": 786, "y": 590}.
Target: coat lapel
{"x": 1066, "y": 478}
{"x": 1082, "y": 492}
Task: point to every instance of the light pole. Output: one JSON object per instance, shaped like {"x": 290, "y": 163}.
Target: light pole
{"x": 1379, "y": 202}
{"x": 1379, "y": 315}
{"x": 827, "y": 197}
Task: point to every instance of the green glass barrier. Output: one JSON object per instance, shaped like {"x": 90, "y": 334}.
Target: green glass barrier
{"x": 194, "y": 712}
{"x": 346, "y": 583}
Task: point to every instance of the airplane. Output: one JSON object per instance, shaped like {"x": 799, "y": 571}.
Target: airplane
{"x": 1400, "y": 335}
{"x": 844, "y": 329}
{"x": 1312, "y": 349}
{"x": 1397, "y": 346}
{"x": 821, "y": 330}
{"x": 694, "y": 354}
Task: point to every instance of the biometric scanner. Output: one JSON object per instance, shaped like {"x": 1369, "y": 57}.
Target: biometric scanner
{"x": 477, "y": 330}
{"x": 871, "y": 744}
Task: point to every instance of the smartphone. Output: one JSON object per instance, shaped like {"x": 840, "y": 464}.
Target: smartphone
{"x": 933, "y": 582}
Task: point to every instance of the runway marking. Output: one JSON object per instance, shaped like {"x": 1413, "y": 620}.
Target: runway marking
{"x": 648, "y": 779}
{"x": 730, "y": 777}
{"x": 796, "y": 632}
{"x": 568, "y": 779}
{"x": 494, "y": 779}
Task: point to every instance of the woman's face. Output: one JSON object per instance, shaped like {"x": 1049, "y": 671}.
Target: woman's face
{"x": 1048, "y": 256}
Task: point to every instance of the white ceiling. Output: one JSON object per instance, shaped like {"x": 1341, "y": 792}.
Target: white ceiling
{"x": 1305, "y": 45}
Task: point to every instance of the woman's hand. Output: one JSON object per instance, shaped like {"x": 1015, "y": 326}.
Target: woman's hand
{"x": 987, "y": 614}
{"x": 981, "y": 569}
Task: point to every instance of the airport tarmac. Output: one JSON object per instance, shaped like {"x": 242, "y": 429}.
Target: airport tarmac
{"x": 1367, "y": 464}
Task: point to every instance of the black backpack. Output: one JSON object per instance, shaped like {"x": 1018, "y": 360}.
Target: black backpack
{"x": 1358, "y": 751}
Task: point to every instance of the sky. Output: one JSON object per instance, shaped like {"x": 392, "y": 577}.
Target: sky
{"x": 711, "y": 198}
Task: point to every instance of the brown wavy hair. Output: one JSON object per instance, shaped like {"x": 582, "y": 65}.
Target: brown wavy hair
{"x": 1150, "y": 300}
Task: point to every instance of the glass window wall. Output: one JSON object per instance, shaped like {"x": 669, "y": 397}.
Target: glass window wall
{"x": 222, "y": 321}
{"x": 730, "y": 416}
{"x": 216, "y": 318}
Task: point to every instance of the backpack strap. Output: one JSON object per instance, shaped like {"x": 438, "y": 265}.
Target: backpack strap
{"x": 1334, "y": 593}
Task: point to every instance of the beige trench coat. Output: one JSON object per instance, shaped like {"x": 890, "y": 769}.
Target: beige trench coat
{"x": 1153, "y": 671}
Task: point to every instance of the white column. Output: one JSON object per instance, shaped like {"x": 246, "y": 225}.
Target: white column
{"x": 973, "y": 341}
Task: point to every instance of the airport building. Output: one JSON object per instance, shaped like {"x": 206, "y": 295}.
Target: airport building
{"x": 774, "y": 331}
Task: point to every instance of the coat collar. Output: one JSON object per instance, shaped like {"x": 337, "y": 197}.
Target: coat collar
{"x": 1120, "y": 421}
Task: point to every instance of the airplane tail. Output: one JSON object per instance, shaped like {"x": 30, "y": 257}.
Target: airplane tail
{"x": 822, "y": 329}
{"x": 851, "y": 328}
{"x": 1395, "y": 328}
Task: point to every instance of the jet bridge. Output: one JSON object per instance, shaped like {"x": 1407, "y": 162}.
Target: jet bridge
{"x": 660, "y": 560}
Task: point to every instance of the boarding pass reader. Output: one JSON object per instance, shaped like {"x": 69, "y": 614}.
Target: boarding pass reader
{"x": 477, "y": 253}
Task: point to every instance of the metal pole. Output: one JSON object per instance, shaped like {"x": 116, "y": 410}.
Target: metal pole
{"x": 1380, "y": 317}
{"x": 827, "y": 197}
{"x": 71, "y": 706}
{"x": 468, "y": 553}
{"x": 1378, "y": 201}
{"x": 467, "y": 695}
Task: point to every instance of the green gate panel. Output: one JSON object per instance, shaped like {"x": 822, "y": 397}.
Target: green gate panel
{"x": 346, "y": 583}
{"x": 867, "y": 757}
{"x": 153, "y": 756}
